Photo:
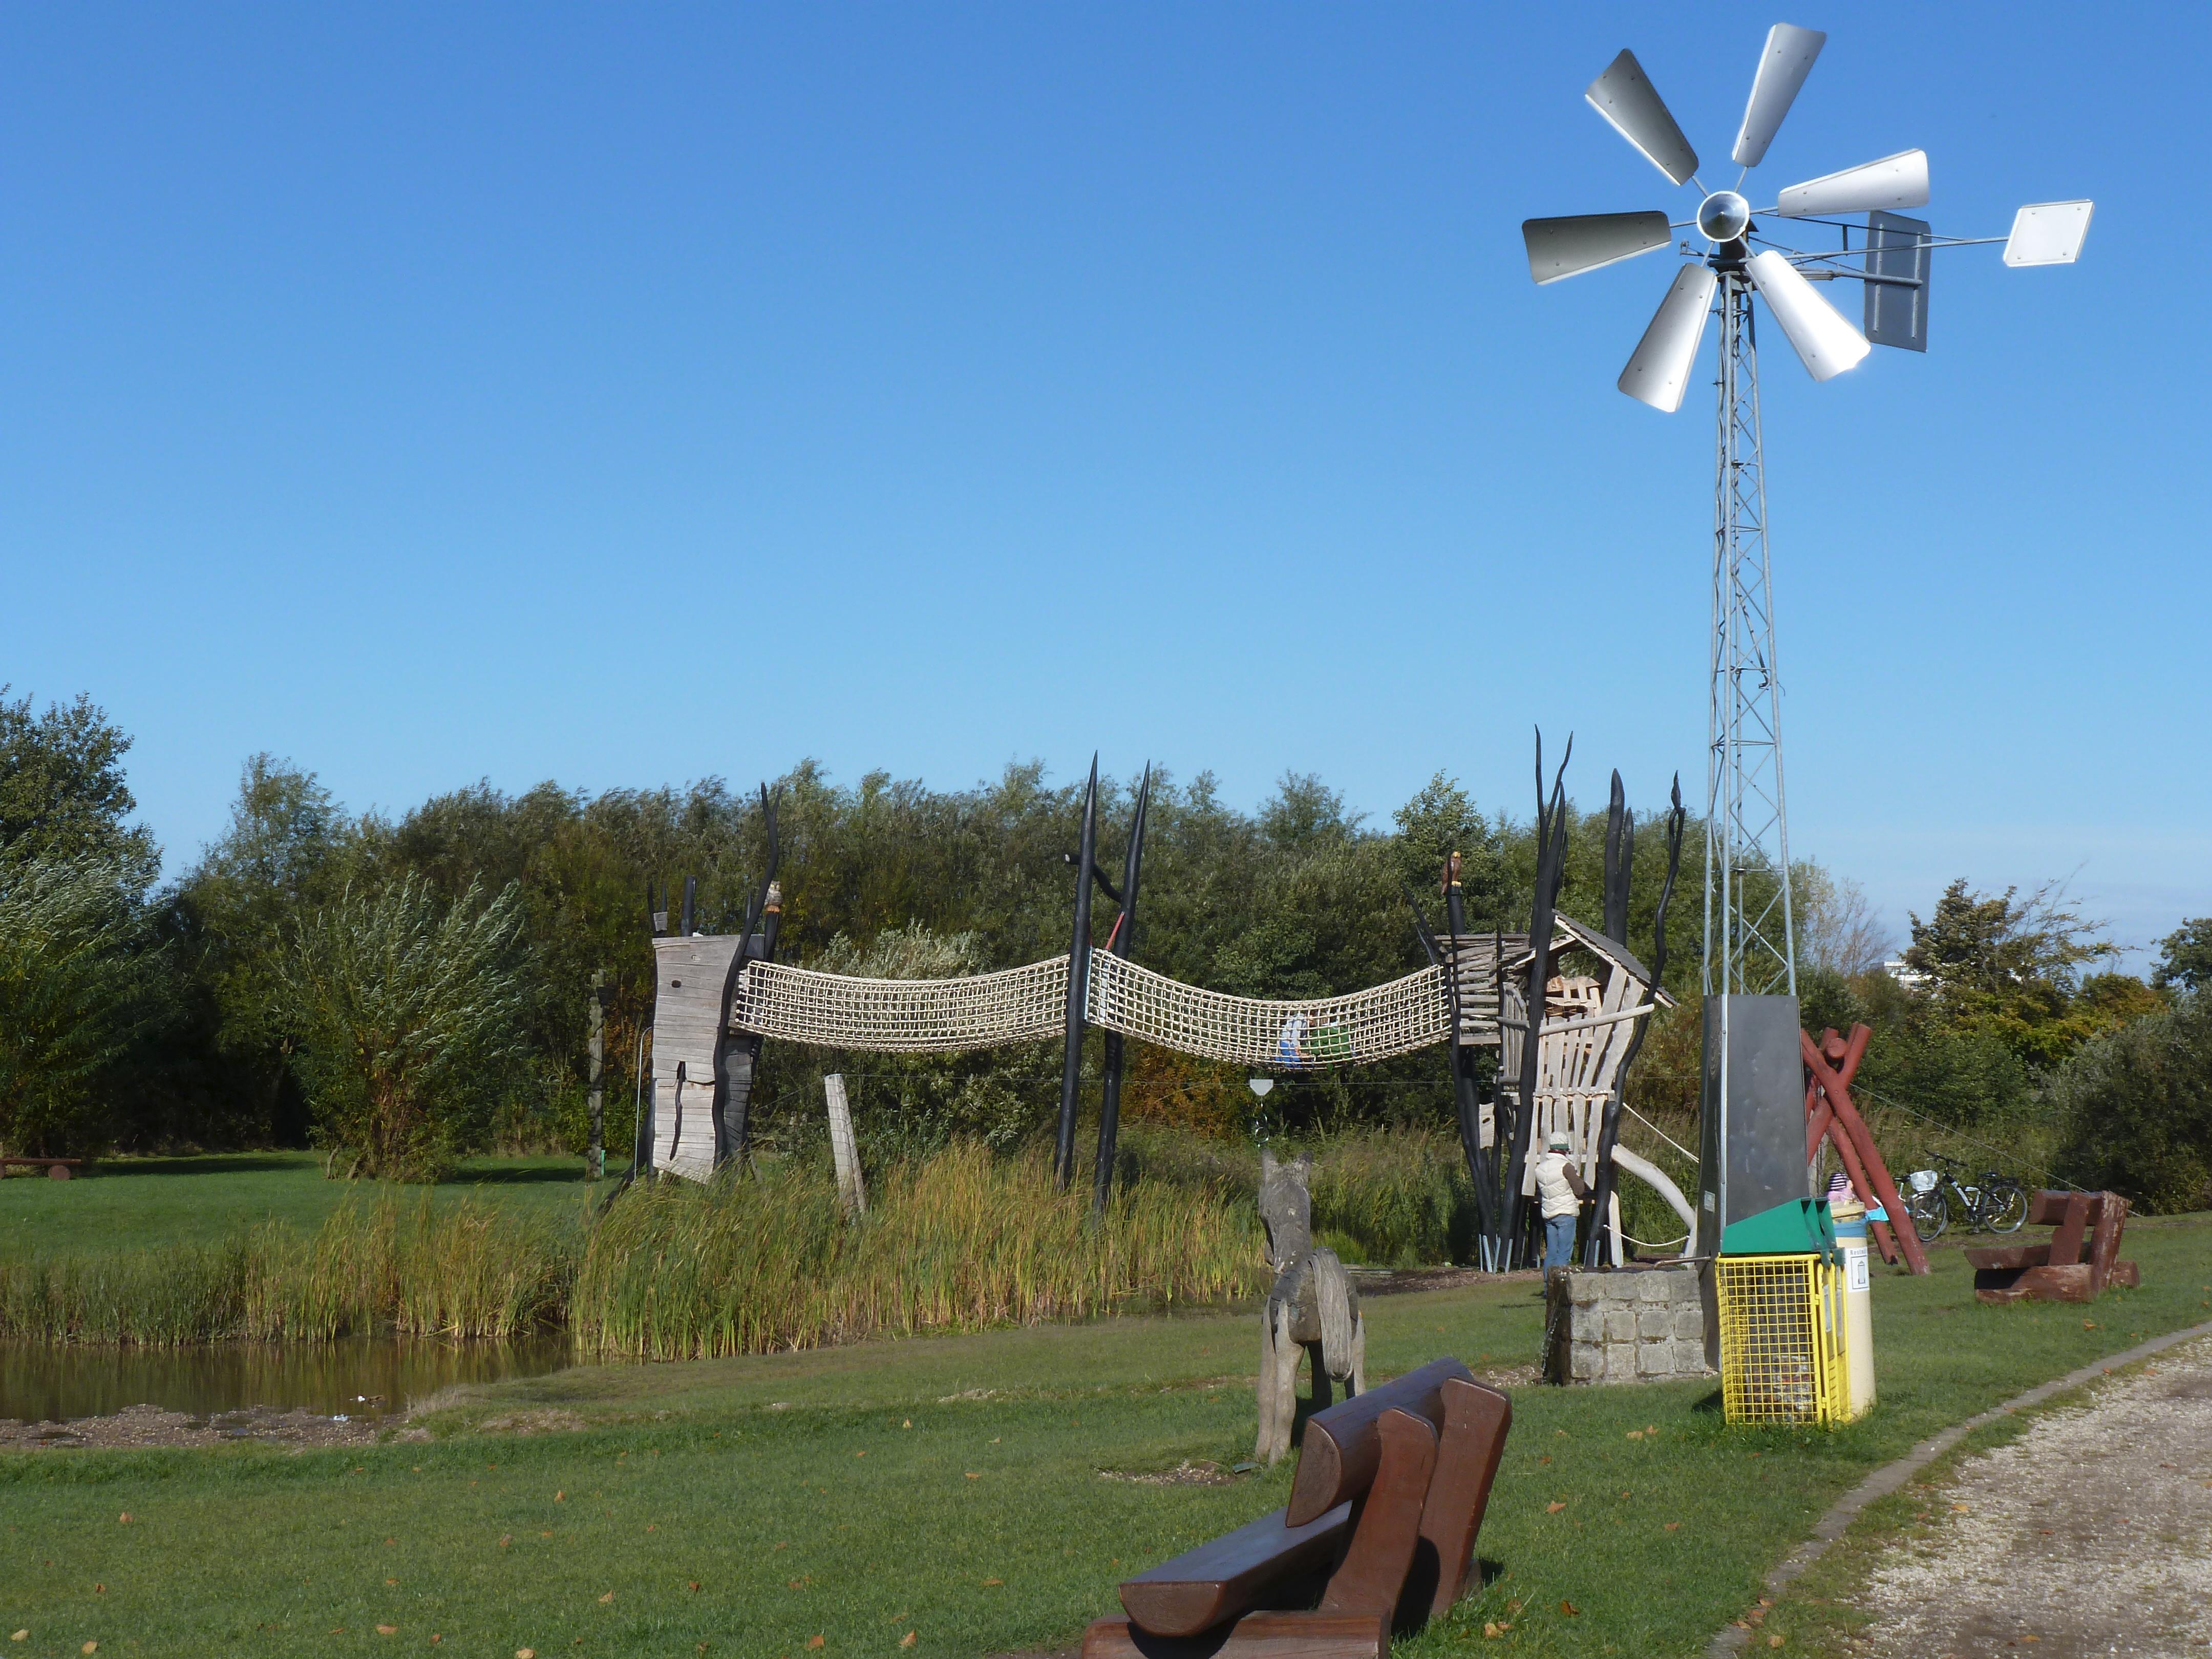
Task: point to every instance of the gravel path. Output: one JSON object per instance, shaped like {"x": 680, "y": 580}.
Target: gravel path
{"x": 2090, "y": 1534}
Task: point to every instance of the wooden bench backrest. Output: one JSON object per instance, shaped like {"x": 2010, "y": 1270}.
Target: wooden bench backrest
{"x": 1341, "y": 1450}
{"x": 2074, "y": 1215}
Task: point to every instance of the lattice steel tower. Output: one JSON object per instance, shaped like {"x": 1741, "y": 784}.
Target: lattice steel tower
{"x": 1749, "y": 922}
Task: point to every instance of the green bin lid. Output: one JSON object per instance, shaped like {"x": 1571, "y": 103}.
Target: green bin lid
{"x": 1800, "y": 1227}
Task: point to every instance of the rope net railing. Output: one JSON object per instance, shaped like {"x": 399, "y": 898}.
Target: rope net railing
{"x": 1383, "y": 1020}
{"x": 901, "y": 1016}
{"x": 1029, "y": 1005}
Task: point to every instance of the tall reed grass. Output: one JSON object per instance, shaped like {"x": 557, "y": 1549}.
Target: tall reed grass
{"x": 416, "y": 1270}
{"x": 954, "y": 1242}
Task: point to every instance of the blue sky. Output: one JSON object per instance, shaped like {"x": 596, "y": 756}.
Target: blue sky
{"x": 628, "y": 395}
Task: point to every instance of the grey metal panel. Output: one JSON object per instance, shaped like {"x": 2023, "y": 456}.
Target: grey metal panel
{"x": 1751, "y": 1128}
{"x": 1589, "y": 241}
{"x": 1897, "y": 310}
{"x": 1782, "y": 67}
{"x": 1623, "y": 95}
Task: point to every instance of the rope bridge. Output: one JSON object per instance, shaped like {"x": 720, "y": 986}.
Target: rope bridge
{"x": 1029, "y": 1005}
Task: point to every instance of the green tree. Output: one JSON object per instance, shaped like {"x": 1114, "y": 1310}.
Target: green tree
{"x": 2184, "y": 957}
{"x": 62, "y": 789}
{"x": 82, "y": 980}
{"x": 411, "y": 1008}
{"x": 2010, "y": 967}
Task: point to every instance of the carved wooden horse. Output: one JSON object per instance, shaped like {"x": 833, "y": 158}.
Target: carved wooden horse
{"x": 1311, "y": 1306}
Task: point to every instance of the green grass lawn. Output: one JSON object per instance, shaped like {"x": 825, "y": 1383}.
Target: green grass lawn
{"x": 951, "y": 1488}
{"x": 130, "y": 1203}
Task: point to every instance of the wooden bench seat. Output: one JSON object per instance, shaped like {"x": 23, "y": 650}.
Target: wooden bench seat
{"x": 2062, "y": 1270}
{"x": 60, "y": 1168}
{"x": 1380, "y": 1530}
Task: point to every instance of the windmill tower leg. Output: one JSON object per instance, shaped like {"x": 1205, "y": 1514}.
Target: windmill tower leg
{"x": 1752, "y": 1100}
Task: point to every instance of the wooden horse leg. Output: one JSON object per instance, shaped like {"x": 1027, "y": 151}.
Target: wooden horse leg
{"x": 1286, "y": 1385}
{"x": 1321, "y": 1389}
{"x": 1358, "y": 1354}
{"x": 1263, "y": 1449}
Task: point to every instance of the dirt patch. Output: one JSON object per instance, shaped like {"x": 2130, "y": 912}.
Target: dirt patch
{"x": 2091, "y": 1533}
{"x": 547, "y": 1420}
{"x": 1185, "y": 1474}
{"x": 151, "y": 1425}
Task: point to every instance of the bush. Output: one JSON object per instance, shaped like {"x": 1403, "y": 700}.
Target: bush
{"x": 81, "y": 979}
{"x": 2137, "y": 1107}
{"x": 413, "y": 1011}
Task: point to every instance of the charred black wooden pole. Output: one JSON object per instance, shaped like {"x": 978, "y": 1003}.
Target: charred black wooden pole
{"x": 1609, "y": 1134}
{"x": 1123, "y": 940}
{"x": 595, "y": 1047}
{"x": 1551, "y": 854}
{"x": 740, "y": 1066}
{"x": 1462, "y": 1061}
{"x": 1079, "y": 987}
{"x": 1620, "y": 868}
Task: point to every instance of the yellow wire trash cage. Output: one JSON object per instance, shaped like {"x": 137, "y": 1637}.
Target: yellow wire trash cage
{"x": 1782, "y": 1340}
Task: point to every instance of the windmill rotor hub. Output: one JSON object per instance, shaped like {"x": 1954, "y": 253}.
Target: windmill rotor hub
{"x": 1723, "y": 215}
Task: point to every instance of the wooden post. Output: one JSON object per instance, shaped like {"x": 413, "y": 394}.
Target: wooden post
{"x": 1122, "y": 942}
{"x": 849, "y": 1188}
{"x": 595, "y": 1018}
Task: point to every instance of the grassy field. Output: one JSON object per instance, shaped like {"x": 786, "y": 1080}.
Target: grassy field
{"x": 127, "y": 1202}
{"x": 952, "y": 1489}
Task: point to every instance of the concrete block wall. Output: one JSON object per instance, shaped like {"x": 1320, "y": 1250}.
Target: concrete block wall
{"x": 1646, "y": 1323}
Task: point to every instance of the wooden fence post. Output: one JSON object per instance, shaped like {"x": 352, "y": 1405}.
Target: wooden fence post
{"x": 850, "y": 1188}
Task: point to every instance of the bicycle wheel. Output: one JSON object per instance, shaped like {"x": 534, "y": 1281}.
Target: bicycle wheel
{"x": 2007, "y": 1204}
{"x": 1930, "y": 1213}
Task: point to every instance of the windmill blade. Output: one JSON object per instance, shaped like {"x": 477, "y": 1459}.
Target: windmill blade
{"x": 1782, "y": 70}
{"x": 1895, "y": 181}
{"x": 2048, "y": 234}
{"x": 1827, "y": 344}
{"x": 1659, "y": 371}
{"x": 1623, "y": 95}
{"x": 1586, "y": 241}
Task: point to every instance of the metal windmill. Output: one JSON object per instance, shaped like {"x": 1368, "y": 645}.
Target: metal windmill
{"x": 1749, "y": 925}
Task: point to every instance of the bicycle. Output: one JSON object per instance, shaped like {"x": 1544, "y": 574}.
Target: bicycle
{"x": 1998, "y": 1205}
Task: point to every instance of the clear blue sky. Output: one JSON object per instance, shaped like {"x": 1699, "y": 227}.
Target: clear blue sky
{"x": 631, "y": 394}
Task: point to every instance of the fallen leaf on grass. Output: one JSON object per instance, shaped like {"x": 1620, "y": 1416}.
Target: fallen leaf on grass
{"x": 973, "y": 1475}
{"x": 505, "y": 1539}
{"x": 1636, "y": 1434}
{"x": 695, "y": 1587}
{"x": 608, "y": 1598}
{"x": 813, "y": 1641}
{"x": 387, "y": 1630}
{"x": 1510, "y": 1607}
{"x": 2089, "y": 1324}
{"x": 1774, "y": 1641}
{"x": 100, "y": 1590}
{"x": 1961, "y": 1507}
{"x": 124, "y": 1518}
{"x": 559, "y": 1497}
{"x": 21, "y": 1636}
{"x": 907, "y": 1640}
{"x": 1490, "y": 1632}
{"x": 391, "y": 1581}
{"x": 908, "y": 1424}
{"x": 861, "y": 1453}
{"x": 90, "y": 1647}
{"x": 994, "y": 1583}
{"x": 526, "y": 1653}
{"x": 1671, "y": 1525}
{"x": 1571, "y": 1610}
{"x": 1553, "y": 1507}
{"x": 796, "y": 1583}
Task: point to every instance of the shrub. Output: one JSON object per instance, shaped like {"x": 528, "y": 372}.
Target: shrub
{"x": 413, "y": 1011}
{"x": 2137, "y": 1107}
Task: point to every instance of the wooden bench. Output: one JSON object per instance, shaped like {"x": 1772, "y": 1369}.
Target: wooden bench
{"x": 2059, "y": 1271}
{"x": 60, "y": 1168}
{"x": 1379, "y": 1532}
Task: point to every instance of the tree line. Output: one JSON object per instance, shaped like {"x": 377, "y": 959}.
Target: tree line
{"x": 401, "y": 990}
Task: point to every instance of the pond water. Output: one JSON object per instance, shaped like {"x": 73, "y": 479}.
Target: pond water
{"x": 373, "y": 1378}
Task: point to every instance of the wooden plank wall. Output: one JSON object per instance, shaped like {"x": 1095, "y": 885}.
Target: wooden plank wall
{"x": 690, "y": 997}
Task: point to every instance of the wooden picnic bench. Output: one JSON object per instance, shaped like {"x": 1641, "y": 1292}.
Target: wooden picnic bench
{"x": 60, "y": 1168}
{"x": 2059, "y": 1271}
{"x": 1379, "y": 1532}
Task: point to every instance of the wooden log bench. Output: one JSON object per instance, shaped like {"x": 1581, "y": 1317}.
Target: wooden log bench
{"x": 2080, "y": 1260}
{"x": 1379, "y": 1533}
{"x": 60, "y": 1168}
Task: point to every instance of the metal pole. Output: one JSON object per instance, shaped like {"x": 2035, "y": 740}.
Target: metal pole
{"x": 1079, "y": 988}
